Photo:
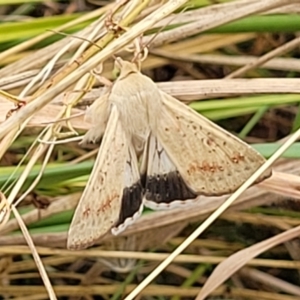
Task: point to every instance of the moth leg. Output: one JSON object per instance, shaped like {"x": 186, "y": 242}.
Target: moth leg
{"x": 140, "y": 51}
{"x": 97, "y": 74}
{"x": 98, "y": 114}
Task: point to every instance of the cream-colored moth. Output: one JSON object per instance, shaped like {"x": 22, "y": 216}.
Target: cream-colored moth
{"x": 155, "y": 151}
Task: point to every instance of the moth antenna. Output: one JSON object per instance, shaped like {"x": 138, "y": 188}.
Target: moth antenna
{"x": 141, "y": 52}
{"x": 77, "y": 37}
{"x": 64, "y": 119}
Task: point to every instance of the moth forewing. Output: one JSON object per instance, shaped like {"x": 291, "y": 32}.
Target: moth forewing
{"x": 210, "y": 160}
{"x": 99, "y": 207}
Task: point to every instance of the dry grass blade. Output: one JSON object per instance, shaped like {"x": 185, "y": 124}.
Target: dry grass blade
{"x": 226, "y": 14}
{"x": 239, "y": 60}
{"x": 263, "y": 59}
{"x": 62, "y": 204}
{"x": 35, "y": 255}
{"x": 270, "y": 280}
{"x": 283, "y": 183}
{"x": 68, "y": 255}
{"x": 183, "y": 90}
{"x": 228, "y": 267}
{"x": 285, "y": 63}
{"x": 4, "y": 210}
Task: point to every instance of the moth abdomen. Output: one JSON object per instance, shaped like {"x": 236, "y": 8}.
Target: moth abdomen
{"x": 165, "y": 188}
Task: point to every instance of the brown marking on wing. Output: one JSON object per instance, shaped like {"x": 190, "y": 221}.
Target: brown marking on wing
{"x": 237, "y": 158}
{"x": 86, "y": 212}
{"x": 107, "y": 204}
{"x": 204, "y": 167}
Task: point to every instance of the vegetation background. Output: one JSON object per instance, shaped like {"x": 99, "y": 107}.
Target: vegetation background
{"x": 236, "y": 62}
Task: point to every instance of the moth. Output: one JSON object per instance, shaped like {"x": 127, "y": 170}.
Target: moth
{"x": 155, "y": 152}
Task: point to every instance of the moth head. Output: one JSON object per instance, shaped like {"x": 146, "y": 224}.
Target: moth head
{"x": 123, "y": 68}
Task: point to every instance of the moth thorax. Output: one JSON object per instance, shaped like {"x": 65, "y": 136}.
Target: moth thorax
{"x": 139, "y": 144}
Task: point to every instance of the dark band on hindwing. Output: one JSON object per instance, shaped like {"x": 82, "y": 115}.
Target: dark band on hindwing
{"x": 165, "y": 188}
{"x": 131, "y": 202}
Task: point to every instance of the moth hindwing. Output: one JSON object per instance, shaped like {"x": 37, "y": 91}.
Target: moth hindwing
{"x": 155, "y": 151}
